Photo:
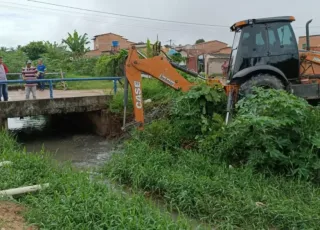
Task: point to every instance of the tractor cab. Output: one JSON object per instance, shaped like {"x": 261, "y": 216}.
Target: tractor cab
{"x": 265, "y": 45}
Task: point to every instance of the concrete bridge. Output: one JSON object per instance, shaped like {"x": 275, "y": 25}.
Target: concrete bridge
{"x": 88, "y": 107}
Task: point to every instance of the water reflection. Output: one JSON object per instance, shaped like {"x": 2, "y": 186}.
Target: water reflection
{"x": 27, "y": 124}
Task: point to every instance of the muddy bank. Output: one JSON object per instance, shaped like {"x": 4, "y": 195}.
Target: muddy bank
{"x": 11, "y": 217}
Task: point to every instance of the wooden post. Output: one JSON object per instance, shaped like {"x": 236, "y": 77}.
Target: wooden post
{"x": 63, "y": 82}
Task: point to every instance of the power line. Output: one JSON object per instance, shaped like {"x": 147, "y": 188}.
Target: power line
{"x": 59, "y": 11}
{"x": 31, "y": 7}
{"x": 129, "y": 16}
{"x": 88, "y": 19}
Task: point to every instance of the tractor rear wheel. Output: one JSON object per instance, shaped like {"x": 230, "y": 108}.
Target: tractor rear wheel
{"x": 265, "y": 81}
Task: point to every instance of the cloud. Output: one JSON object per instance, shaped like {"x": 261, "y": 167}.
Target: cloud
{"x": 24, "y": 21}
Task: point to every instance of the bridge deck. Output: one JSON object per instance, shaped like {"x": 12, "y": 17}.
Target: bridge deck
{"x": 19, "y": 95}
{"x": 70, "y": 101}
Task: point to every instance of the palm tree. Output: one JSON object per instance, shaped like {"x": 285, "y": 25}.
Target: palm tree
{"x": 77, "y": 44}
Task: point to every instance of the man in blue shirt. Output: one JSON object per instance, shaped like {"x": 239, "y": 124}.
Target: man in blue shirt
{"x": 41, "y": 71}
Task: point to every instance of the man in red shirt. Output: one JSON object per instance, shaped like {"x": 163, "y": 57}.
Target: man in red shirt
{"x": 30, "y": 73}
{"x": 3, "y": 77}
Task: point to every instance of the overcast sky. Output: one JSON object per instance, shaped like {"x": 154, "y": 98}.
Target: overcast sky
{"x": 23, "y": 21}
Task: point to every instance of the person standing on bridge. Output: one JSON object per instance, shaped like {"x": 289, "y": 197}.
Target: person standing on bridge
{"x": 41, "y": 73}
{"x": 30, "y": 73}
{"x": 3, "y": 77}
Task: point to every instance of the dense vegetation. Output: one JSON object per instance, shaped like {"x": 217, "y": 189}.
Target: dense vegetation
{"x": 76, "y": 200}
{"x": 260, "y": 172}
{"x": 68, "y": 56}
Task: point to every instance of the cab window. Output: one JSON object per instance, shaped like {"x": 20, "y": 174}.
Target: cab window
{"x": 254, "y": 41}
{"x": 281, "y": 39}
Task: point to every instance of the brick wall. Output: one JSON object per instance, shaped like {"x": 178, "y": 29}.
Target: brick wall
{"x": 93, "y": 53}
{"x": 314, "y": 41}
{"x": 104, "y": 42}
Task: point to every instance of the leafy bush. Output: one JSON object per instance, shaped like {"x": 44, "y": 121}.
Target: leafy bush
{"x": 34, "y": 50}
{"x": 55, "y": 57}
{"x": 111, "y": 65}
{"x": 84, "y": 66}
{"x": 15, "y": 60}
{"x": 53, "y": 64}
{"x": 200, "y": 108}
{"x": 273, "y": 132}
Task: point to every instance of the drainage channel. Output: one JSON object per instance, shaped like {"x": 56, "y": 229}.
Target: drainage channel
{"x": 84, "y": 150}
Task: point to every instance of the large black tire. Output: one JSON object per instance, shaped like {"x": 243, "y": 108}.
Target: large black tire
{"x": 266, "y": 81}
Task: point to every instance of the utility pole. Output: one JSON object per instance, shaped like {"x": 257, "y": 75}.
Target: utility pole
{"x": 170, "y": 41}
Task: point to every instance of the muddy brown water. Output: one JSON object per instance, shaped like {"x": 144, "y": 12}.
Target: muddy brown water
{"x": 62, "y": 139}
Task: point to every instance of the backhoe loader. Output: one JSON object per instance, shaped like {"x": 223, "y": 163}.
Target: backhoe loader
{"x": 264, "y": 54}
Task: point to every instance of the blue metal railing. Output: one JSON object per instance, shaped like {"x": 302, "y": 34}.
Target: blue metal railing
{"x": 50, "y": 81}
{"x": 19, "y": 75}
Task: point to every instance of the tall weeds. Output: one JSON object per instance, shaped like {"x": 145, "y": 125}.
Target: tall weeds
{"x": 74, "y": 200}
{"x": 256, "y": 173}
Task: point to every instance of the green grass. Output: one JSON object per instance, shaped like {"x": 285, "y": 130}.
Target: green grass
{"x": 73, "y": 200}
{"x": 235, "y": 198}
{"x": 78, "y": 85}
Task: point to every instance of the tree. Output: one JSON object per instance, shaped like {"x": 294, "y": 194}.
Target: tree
{"x": 34, "y": 50}
{"x": 54, "y": 46}
{"x": 55, "y": 50}
{"x": 77, "y": 43}
{"x": 14, "y": 60}
{"x": 57, "y": 55}
{"x": 177, "y": 57}
{"x": 201, "y": 40}
{"x": 149, "y": 49}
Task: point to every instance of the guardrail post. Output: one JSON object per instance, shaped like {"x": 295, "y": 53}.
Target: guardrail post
{"x": 115, "y": 86}
{"x": 51, "y": 89}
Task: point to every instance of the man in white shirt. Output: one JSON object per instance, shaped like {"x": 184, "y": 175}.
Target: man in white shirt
{"x": 3, "y": 77}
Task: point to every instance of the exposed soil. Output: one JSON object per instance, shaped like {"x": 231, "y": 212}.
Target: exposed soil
{"x": 11, "y": 217}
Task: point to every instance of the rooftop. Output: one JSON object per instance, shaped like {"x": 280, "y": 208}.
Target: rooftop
{"x": 210, "y": 42}
{"x": 315, "y": 35}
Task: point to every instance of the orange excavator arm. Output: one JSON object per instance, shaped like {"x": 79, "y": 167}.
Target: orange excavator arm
{"x": 158, "y": 67}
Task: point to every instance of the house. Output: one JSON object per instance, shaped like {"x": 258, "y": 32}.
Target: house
{"x": 226, "y": 50}
{"x": 314, "y": 42}
{"x": 108, "y": 43}
{"x": 196, "y": 54}
{"x": 213, "y": 63}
